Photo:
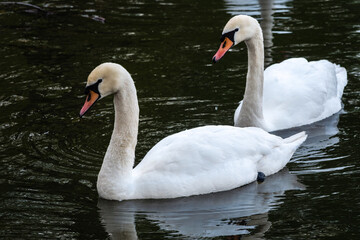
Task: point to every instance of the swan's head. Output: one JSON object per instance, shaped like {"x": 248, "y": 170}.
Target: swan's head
{"x": 238, "y": 29}
{"x": 104, "y": 80}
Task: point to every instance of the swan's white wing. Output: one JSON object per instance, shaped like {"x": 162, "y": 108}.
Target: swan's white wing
{"x": 298, "y": 92}
{"x": 209, "y": 159}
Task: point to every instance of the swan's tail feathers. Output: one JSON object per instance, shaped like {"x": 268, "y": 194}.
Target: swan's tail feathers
{"x": 296, "y": 139}
{"x": 341, "y": 76}
{"x": 279, "y": 158}
{"x": 299, "y": 137}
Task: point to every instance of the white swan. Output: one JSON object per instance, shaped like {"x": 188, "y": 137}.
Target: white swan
{"x": 197, "y": 161}
{"x": 289, "y": 94}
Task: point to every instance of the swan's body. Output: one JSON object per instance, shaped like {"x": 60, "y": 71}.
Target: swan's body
{"x": 197, "y": 161}
{"x": 289, "y": 94}
{"x": 298, "y": 92}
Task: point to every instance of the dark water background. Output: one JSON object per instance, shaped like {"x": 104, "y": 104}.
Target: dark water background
{"x": 50, "y": 159}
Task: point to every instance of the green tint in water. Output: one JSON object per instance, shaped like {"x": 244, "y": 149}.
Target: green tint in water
{"x": 50, "y": 159}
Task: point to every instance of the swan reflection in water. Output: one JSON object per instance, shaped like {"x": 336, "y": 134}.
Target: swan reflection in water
{"x": 242, "y": 211}
{"x": 321, "y": 135}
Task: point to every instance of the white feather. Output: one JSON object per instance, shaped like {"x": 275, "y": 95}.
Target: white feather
{"x": 297, "y": 92}
{"x": 210, "y": 159}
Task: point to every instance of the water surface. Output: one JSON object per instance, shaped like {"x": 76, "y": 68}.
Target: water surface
{"x": 50, "y": 159}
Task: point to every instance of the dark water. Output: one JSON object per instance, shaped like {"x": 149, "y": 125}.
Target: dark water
{"x": 50, "y": 159}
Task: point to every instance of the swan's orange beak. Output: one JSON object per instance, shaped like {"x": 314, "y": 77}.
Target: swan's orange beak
{"x": 224, "y": 47}
{"x": 91, "y": 98}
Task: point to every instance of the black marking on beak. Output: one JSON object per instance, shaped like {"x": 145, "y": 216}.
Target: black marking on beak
{"x": 94, "y": 87}
{"x": 214, "y": 60}
{"x": 229, "y": 35}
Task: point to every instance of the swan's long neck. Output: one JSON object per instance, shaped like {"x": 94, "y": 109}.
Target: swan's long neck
{"x": 251, "y": 114}
{"x": 115, "y": 174}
